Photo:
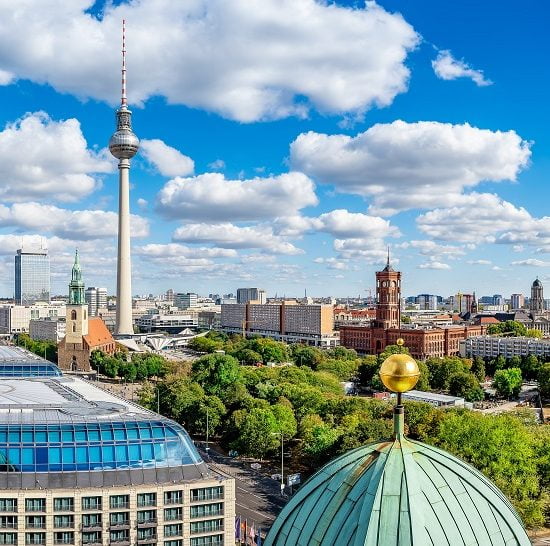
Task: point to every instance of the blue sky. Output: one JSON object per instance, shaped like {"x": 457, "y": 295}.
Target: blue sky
{"x": 285, "y": 143}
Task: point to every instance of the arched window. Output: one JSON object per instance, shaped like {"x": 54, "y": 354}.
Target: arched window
{"x": 73, "y": 315}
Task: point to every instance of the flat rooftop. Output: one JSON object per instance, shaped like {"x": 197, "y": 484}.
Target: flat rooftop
{"x": 436, "y": 397}
{"x": 63, "y": 399}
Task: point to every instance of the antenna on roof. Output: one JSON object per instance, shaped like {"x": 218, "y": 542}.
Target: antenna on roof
{"x": 388, "y": 262}
{"x": 123, "y": 101}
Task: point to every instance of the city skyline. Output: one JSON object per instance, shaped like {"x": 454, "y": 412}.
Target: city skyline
{"x": 282, "y": 169}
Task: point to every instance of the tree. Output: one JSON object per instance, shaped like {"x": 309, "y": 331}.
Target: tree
{"x": 270, "y": 350}
{"x": 441, "y": 370}
{"x": 391, "y": 350}
{"x": 204, "y": 344}
{"x": 257, "y": 433}
{"x": 318, "y": 438}
{"x": 341, "y": 353}
{"x": 532, "y": 332}
{"x": 423, "y": 383}
{"x": 530, "y": 366}
{"x": 478, "y": 368}
{"x": 342, "y": 369}
{"x": 465, "y": 385}
{"x": 216, "y": 372}
{"x": 303, "y": 355}
{"x": 286, "y": 422}
{"x": 508, "y": 327}
{"x": 147, "y": 396}
{"x": 367, "y": 370}
{"x": 97, "y": 359}
{"x": 508, "y": 382}
{"x": 503, "y": 448}
{"x": 110, "y": 366}
{"x": 248, "y": 357}
{"x": 544, "y": 380}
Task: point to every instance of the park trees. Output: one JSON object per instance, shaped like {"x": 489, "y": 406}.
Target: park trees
{"x": 508, "y": 382}
{"x": 216, "y": 372}
{"x": 466, "y": 385}
{"x": 544, "y": 380}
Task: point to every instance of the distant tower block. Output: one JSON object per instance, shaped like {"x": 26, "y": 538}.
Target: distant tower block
{"x": 123, "y": 145}
{"x": 536, "y": 303}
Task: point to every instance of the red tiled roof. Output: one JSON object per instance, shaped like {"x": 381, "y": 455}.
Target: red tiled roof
{"x": 98, "y": 334}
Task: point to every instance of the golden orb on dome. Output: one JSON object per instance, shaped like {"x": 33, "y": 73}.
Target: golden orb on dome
{"x": 400, "y": 341}
{"x": 399, "y": 372}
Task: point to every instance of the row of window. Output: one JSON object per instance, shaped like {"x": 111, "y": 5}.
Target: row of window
{"x": 123, "y": 535}
{"x": 66, "y": 504}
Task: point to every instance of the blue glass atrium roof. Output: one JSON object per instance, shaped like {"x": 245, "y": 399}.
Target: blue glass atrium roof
{"x": 17, "y": 362}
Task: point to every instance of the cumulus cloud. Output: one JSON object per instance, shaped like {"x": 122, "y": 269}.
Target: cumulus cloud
{"x": 485, "y": 218}
{"x": 212, "y": 197}
{"x": 410, "y": 165}
{"x": 531, "y": 262}
{"x": 227, "y": 235}
{"x": 433, "y": 264}
{"x": 447, "y": 67}
{"x": 339, "y": 223}
{"x": 332, "y": 263}
{"x": 43, "y": 158}
{"x": 479, "y": 262}
{"x": 217, "y": 165}
{"x": 167, "y": 160}
{"x": 431, "y": 248}
{"x": 171, "y": 250}
{"x": 287, "y": 55}
{"x": 6, "y": 77}
{"x": 70, "y": 224}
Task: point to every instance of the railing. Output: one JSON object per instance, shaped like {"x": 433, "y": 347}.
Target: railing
{"x": 147, "y": 521}
{"x": 39, "y": 525}
{"x": 175, "y": 517}
{"x": 114, "y": 506}
{"x": 206, "y": 497}
{"x": 174, "y": 500}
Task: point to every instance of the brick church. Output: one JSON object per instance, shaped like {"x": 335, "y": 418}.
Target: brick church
{"x": 386, "y": 328}
{"x": 84, "y": 334}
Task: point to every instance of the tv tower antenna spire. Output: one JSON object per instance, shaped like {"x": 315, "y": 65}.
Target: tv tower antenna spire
{"x": 124, "y": 144}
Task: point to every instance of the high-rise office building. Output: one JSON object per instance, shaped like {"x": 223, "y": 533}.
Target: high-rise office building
{"x": 517, "y": 301}
{"x": 32, "y": 276}
{"x": 96, "y": 298}
{"x": 246, "y": 295}
{"x": 185, "y": 301}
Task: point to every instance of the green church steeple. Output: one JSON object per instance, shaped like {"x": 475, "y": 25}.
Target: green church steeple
{"x": 76, "y": 286}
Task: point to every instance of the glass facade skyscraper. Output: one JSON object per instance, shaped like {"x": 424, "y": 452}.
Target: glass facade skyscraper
{"x": 32, "y": 277}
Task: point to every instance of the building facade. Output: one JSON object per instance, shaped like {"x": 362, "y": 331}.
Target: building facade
{"x": 15, "y": 319}
{"x": 96, "y": 298}
{"x": 386, "y": 328}
{"x": 83, "y": 467}
{"x": 47, "y": 329}
{"x": 256, "y": 295}
{"x": 32, "y": 276}
{"x": 492, "y": 346}
{"x": 171, "y": 323}
{"x": 285, "y": 321}
{"x": 186, "y": 301}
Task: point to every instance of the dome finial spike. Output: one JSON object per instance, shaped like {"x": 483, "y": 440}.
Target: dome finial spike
{"x": 123, "y": 101}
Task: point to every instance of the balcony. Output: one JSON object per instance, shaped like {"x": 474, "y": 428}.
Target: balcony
{"x": 117, "y": 505}
{"x": 173, "y": 500}
{"x": 151, "y": 522}
{"x": 91, "y": 527}
{"x": 119, "y": 525}
{"x": 36, "y": 525}
{"x": 8, "y": 525}
{"x": 120, "y": 541}
{"x": 64, "y": 541}
{"x": 146, "y": 540}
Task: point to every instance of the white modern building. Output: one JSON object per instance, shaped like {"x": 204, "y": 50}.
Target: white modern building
{"x": 435, "y": 399}
{"x": 170, "y": 323}
{"x": 493, "y": 346}
{"x": 15, "y": 319}
{"x": 96, "y": 298}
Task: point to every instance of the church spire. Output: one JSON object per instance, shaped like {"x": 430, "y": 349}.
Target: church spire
{"x": 76, "y": 286}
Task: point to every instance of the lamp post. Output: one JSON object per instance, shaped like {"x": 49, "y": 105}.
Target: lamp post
{"x": 282, "y": 460}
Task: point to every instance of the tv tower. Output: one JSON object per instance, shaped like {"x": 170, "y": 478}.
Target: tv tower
{"x": 123, "y": 145}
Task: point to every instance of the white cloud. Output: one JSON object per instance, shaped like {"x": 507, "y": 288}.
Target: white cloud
{"x": 217, "y": 165}
{"x": 371, "y": 250}
{"x": 286, "y": 55}
{"x": 176, "y": 250}
{"x": 211, "y": 197}
{"x": 332, "y": 263}
{"x": 69, "y": 224}
{"x": 339, "y": 223}
{"x": 447, "y": 67}
{"x": 433, "y": 264}
{"x": 410, "y": 165}
{"x": 531, "y": 262}
{"x": 431, "y": 248}
{"x": 43, "y": 158}
{"x": 142, "y": 203}
{"x": 486, "y": 218}
{"x": 228, "y": 235}
{"x": 167, "y": 160}
{"x": 6, "y": 77}
{"x": 479, "y": 262}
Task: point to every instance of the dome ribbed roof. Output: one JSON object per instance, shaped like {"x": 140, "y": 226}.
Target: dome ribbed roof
{"x": 398, "y": 493}
{"x": 536, "y": 282}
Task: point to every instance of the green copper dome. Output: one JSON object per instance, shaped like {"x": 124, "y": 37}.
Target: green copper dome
{"x": 398, "y": 493}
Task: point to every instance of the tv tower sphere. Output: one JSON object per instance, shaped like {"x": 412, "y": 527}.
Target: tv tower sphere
{"x": 124, "y": 144}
